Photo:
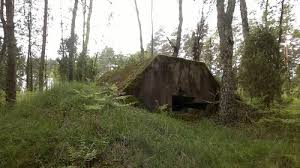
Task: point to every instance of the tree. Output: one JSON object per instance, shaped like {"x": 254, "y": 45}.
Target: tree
{"x": 208, "y": 56}
{"x": 72, "y": 43}
{"x": 3, "y": 51}
{"x": 188, "y": 41}
{"x": 84, "y": 21}
{"x": 11, "y": 53}
{"x": 265, "y": 14}
{"x": 63, "y": 61}
{"x": 42, "y": 63}
{"x": 227, "y": 111}
{"x": 82, "y": 62}
{"x": 29, "y": 23}
{"x": 281, "y": 23}
{"x": 140, "y": 28}
{"x": 198, "y": 37}
{"x": 244, "y": 16}
{"x": 160, "y": 43}
{"x": 176, "y": 46}
{"x": 152, "y": 40}
{"x": 261, "y": 56}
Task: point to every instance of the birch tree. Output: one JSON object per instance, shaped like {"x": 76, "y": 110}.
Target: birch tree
{"x": 226, "y": 51}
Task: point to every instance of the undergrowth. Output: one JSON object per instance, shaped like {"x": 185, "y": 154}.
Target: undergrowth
{"x": 86, "y": 126}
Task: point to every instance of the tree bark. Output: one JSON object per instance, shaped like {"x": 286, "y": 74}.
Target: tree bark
{"x": 72, "y": 45}
{"x": 198, "y": 38}
{"x": 4, "y": 45}
{"x": 84, "y": 23}
{"x": 152, "y": 36}
{"x": 29, "y": 75}
{"x": 244, "y": 16}
{"x": 42, "y": 63}
{"x": 179, "y": 31}
{"x": 140, "y": 27}
{"x": 281, "y": 23}
{"x": 11, "y": 53}
{"x": 265, "y": 16}
{"x": 88, "y": 28}
{"x": 227, "y": 111}
{"x": 82, "y": 62}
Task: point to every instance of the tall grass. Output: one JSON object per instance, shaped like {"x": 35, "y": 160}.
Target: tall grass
{"x": 56, "y": 129}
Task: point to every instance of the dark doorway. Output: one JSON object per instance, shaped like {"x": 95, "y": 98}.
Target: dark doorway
{"x": 184, "y": 102}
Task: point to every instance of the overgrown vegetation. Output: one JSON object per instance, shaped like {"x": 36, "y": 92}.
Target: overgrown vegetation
{"x": 85, "y": 126}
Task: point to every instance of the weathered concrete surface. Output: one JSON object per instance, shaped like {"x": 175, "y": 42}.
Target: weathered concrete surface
{"x": 167, "y": 76}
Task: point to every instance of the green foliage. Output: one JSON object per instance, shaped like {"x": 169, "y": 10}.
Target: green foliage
{"x": 296, "y": 33}
{"x": 262, "y": 66}
{"x": 86, "y": 151}
{"x": 295, "y": 82}
{"x": 108, "y": 60}
{"x": 107, "y": 97}
{"x": 161, "y": 44}
{"x": 55, "y": 129}
{"x": 2, "y": 98}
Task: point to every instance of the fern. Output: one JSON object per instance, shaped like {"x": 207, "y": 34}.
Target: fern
{"x": 108, "y": 96}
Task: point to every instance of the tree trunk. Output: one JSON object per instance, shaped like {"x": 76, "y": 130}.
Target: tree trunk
{"x": 140, "y": 27}
{"x": 178, "y": 39}
{"x": 82, "y": 62}
{"x": 265, "y": 15}
{"x": 227, "y": 111}
{"x": 11, "y": 53}
{"x": 152, "y": 36}
{"x": 84, "y": 23}
{"x": 4, "y": 45}
{"x": 281, "y": 23}
{"x": 198, "y": 38}
{"x": 88, "y": 29}
{"x": 29, "y": 75}
{"x": 42, "y": 63}
{"x": 72, "y": 45}
{"x": 244, "y": 16}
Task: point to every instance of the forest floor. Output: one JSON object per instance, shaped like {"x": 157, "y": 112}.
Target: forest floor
{"x": 83, "y": 126}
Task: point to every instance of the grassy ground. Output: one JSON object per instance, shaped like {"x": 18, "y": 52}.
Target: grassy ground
{"x": 72, "y": 125}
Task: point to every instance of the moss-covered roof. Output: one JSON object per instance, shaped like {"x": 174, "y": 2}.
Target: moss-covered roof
{"x": 129, "y": 74}
{"x": 123, "y": 76}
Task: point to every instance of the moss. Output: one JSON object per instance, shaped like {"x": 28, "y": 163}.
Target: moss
{"x": 124, "y": 76}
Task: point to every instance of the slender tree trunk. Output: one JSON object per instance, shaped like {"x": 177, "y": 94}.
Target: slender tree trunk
{"x": 227, "y": 111}
{"x": 244, "y": 15}
{"x": 29, "y": 75}
{"x": 179, "y": 31}
{"x": 140, "y": 27}
{"x": 152, "y": 36}
{"x": 63, "y": 63}
{"x": 198, "y": 38}
{"x": 72, "y": 45}
{"x": 88, "y": 28}
{"x": 281, "y": 23}
{"x": 42, "y": 63}
{"x": 11, "y": 53}
{"x": 82, "y": 62}
{"x": 4, "y": 45}
{"x": 265, "y": 15}
{"x": 3, "y": 55}
{"x": 84, "y": 23}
